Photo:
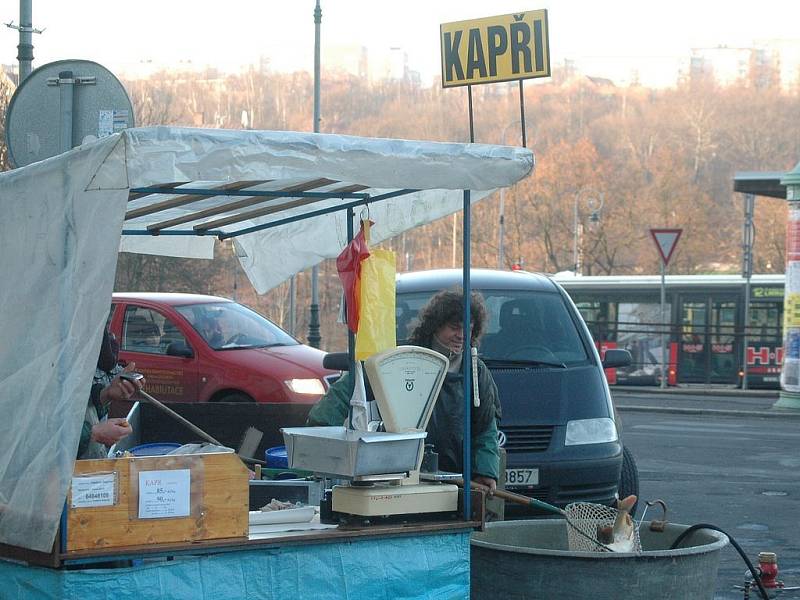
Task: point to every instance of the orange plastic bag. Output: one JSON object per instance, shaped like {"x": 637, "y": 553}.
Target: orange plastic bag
{"x": 348, "y": 264}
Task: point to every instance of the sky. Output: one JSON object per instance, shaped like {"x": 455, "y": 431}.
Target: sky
{"x": 607, "y": 39}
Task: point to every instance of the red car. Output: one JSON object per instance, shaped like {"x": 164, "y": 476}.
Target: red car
{"x": 195, "y": 348}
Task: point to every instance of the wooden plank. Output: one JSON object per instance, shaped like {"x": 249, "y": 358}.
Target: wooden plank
{"x": 137, "y": 195}
{"x": 273, "y": 209}
{"x": 32, "y": 557}
{"x": 243, "y": 203}
{"x": 324, "y": 536}
{"x": 219, "y": 498}
{"x": 183, "y": 199}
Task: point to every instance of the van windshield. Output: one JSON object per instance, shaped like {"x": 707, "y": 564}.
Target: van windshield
{"x": 523, "y": 327}
{"x": 229, "y": 326}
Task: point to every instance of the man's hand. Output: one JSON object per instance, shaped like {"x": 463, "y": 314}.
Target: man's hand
{"x": 111, "y": 431}
{"x": 488, "y": 484}
{"x": 121, "y": 389}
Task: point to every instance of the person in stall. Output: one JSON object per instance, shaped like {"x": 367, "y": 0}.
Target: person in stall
{"x": 441, "y": 328}
{"x": 99, "y": 432}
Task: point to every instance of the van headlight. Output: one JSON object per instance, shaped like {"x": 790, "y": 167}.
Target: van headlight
{"x": 591, "y": 431}
{"x": 306, "y": 386}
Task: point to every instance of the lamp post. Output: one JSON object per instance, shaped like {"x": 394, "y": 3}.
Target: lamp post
{"x": 314, "y": 337}
{"x": 501, "y": 226}
{"x": 594, "y": 202}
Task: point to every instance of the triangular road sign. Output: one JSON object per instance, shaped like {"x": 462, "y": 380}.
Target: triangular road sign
{"x": 666, "y": 240}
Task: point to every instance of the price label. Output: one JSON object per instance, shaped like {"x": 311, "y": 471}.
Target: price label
{"x": 89, "y": 491}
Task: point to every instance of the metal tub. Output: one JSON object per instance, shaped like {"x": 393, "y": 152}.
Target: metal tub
{"x": 517, "y": 560}
{"x": 346, "y": 453}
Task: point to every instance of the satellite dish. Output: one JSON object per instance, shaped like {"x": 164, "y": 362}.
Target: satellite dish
{"x": 62, "y": 104}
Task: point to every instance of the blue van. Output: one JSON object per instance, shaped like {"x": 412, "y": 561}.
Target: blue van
{"x": 559, "y": 428}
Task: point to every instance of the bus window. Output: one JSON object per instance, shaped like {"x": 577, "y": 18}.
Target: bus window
{"x": 639, "y": 333}
{"x": 600, "y": 318}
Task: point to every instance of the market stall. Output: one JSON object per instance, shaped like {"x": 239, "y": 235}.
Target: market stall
{"x": 283, "y": 197}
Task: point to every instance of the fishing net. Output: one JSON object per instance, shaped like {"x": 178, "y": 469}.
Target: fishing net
{"x": 590, "y": 529}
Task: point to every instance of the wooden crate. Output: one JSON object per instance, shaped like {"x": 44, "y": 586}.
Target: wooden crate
{"x": 218, "y": 497}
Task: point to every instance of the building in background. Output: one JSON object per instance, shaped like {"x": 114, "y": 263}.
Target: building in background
{"x": 767, "y": 64}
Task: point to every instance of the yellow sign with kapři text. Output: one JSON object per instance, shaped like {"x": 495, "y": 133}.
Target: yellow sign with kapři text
{"x": 502, "y": 48}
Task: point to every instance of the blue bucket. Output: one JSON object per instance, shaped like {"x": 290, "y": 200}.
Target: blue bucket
{"x": 154, "y": 449}
{"x": 276, "y": 457}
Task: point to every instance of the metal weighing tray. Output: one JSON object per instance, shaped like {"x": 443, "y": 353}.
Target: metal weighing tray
{"x": 347, "y": 453}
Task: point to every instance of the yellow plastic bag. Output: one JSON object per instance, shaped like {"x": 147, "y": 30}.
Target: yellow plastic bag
{"x": 376, "y": 324}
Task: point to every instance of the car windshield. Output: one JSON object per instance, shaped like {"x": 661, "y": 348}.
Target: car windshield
{"x": 228, "y": 326}
{"x": 524, "y": 327}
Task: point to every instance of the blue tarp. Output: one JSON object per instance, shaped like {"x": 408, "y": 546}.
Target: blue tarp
{"x": 433, "y": 566}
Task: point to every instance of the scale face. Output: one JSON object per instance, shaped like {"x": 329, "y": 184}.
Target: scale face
{"x": 406, "y": 381}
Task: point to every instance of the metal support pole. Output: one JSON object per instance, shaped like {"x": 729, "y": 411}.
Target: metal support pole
{"x": 471, "y": 123}
{"x": 501, "y": 232}
{"x": 351, "y": 337}
{"x": 501, "y": 229}
{"x": 66, "y": 88}
{"x": 466, "y": 362}
{"x": 317, "y": 24}
{"x": 292, "y": 304}
{"x": 747, "y": 273}
{"x": 663, "y": 324}
{"x": 575, "y": 258}
{"x": 25, "y": 47}
{"x": 314, "y": 337}
{"x": 522, "y": 113}
{"x": 235, "y": 284}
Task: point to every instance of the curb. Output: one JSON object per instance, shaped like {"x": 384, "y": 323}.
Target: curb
{"x": 623, "y": 391}
{"x": 768, "y": 414}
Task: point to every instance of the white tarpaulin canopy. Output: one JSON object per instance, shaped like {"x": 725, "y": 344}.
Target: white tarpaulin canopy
{"x": 61, "y": 227}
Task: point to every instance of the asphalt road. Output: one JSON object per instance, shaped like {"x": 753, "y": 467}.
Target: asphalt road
{"x": 740, "y": 472}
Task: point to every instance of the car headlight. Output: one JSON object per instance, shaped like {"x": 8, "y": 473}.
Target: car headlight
{"x": 306, "y": 386}
{"x": 591, "y": 431}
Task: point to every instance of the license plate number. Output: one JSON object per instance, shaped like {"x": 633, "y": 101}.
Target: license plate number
{"x": 522, "y": 477}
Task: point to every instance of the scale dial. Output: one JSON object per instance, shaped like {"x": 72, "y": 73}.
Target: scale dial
{"x": 406, "y": 382}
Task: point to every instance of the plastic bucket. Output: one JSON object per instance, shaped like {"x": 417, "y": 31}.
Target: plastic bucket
{"x": 154, "y": 449}
{"x": 276, "y": 457}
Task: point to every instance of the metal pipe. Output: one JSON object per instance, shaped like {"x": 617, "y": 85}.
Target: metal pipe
{"x": 66, "y": 88}
{"x": 501, "y": 230}
{"x": 471, "y": 123}
{"x": 25, "y": 47}
{"x": 522, "y": 113}
{"x": 292, "y": 303}
{"x": 465, "y": 362}
{"x": 316, "y": 213}
{"x": 351, "y": 337}
{"x": 317, "y": 23}
{"x": 314, "y": 337}
{"x": 747, "y": 268}
{"x": 575, "y": 255}
{"x": 663, "y": 324}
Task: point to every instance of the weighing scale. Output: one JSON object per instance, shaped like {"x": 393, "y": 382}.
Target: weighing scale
{"x": 382, "y": 466}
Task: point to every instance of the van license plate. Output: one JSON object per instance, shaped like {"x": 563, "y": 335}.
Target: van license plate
{"x": 522, "y": 477}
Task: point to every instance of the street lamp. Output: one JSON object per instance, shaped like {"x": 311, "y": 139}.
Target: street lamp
{"x": 594, "y": 203}
{"x": 501, "y": 228}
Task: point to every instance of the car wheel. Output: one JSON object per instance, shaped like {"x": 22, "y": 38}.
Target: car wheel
{"x": 234, "y": 397}
{"x": 629, "y": 477}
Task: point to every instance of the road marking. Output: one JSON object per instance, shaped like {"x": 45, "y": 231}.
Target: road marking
{"x": 690, "y": 429}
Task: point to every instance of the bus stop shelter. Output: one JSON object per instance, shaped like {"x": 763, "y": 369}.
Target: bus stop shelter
{"x": 785, "y": 186}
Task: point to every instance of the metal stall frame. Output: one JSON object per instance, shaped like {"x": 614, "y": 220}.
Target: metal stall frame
{"x": 351, "y": 198}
